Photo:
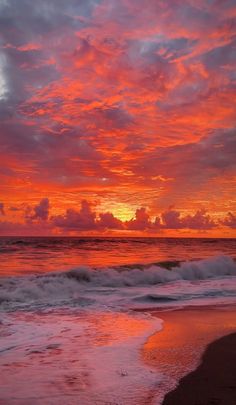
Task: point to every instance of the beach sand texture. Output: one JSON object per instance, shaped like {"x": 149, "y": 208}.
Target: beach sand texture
{"x": 200, "y": 341}
{"x": 214, "y": 381}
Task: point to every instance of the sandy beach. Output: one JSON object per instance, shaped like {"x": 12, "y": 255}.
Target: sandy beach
{"x": 196, "y": 352}
{"x": 213, "y": 382}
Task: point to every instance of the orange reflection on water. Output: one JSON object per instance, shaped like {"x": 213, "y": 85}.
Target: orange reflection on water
{"x": 21, "y": 255}
{"x": 117, "y": 328}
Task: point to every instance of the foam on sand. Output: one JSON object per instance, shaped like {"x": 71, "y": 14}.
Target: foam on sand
{"x": 66, "y": 355}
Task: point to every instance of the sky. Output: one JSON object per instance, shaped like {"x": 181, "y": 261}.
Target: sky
{"x": 118, "y": 117}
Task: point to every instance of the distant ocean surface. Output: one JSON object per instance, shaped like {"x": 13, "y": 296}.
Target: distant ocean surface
{"x": 22, "y": 255}
{"x": 72, "y": 317}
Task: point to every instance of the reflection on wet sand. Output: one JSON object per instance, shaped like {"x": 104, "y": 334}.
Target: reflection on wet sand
{"x": 178, "y": 347}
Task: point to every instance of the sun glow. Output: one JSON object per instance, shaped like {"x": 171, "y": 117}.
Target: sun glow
{"x": 122, "y": 211}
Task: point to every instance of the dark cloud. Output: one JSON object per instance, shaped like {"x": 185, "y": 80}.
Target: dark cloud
{"x": 87, "y": 219}
{"x": 172, "y": 219}
{"x": 30, "y": 20}
{"x": 141, "y": 221}
{"x": 42, "y": 210}
{"x": 222, "y": 56}
{"x": 108, "y": 221}
{"x": 2, "y": 211}
{"x": 14, "y": 209}
{"x": 230, "y": 220}
{"x": 193, "y": 163}
{"x": 38, "y": 212}
{"x": 84, "y": 219}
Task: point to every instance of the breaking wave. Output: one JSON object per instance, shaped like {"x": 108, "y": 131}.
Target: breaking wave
{"x": 153, "y": 274}
{"x": 83, "y": 285}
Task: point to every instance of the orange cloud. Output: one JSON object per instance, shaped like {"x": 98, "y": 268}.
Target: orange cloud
{"x": 109, "y": 101}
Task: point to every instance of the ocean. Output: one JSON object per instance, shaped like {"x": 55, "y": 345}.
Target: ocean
{"x": 75, "y": 312}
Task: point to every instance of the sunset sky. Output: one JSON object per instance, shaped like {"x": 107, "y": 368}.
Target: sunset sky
{"x": 118, "y": 117}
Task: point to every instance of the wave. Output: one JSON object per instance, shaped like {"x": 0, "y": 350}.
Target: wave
{"x": 83, "y": 285}
{"x": 155, "y": 298}
{"x": 153, "y": 274}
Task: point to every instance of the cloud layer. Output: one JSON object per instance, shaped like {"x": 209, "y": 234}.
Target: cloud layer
{"x": 86, "y": 219}
{"x": 121, "y": 104}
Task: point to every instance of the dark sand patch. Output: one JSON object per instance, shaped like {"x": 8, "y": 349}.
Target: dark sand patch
{"x": 178, "y": 348}
{"x": 214, "y": 381}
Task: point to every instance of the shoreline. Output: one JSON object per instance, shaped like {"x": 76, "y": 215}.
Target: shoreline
{"x": 213, "y": 382}
{"x": 177, "y": 351}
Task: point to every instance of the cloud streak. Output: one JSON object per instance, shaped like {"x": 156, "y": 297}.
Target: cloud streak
{"x": 118, "y": 104}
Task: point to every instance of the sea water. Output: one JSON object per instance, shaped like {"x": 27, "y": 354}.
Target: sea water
{"x": 72, "y": 319}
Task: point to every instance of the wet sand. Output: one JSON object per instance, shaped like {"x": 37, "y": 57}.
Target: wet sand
{"x": 214, "y": 381}
{"x": 197, "y": 349}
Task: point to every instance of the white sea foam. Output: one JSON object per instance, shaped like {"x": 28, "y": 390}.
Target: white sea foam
{"x": 208, "y": 278}
{"x": 195, "y": 270}
{"x": 69, "y": 357}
